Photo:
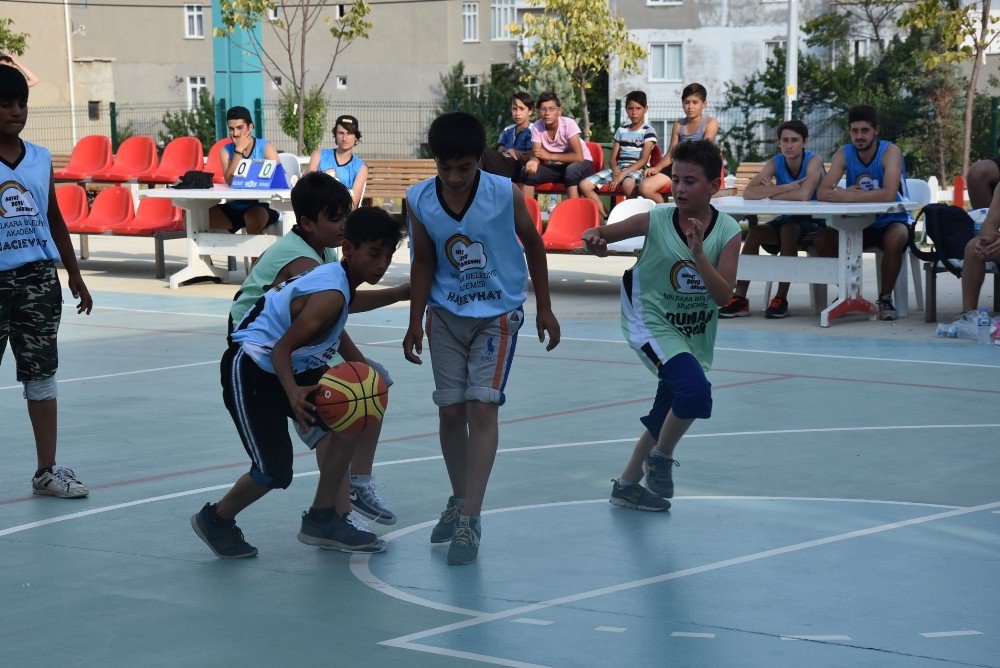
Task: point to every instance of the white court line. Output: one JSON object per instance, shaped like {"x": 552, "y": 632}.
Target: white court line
{"x": 687, "y": 634}
{"x": 120, "y": 373}
{"x": 950, "y": 634}
{"x": 816, "y": 638}
{"x": 218, "y": 315}
{"x": 532, "y": 622}
{"x": 407, "y": 640}
{"x": 611, "y": 629}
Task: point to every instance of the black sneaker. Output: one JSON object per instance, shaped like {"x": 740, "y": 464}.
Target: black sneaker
{"x": 444, "y": 530}
{"x": 659, "y": 474}
{"x": 339, "y": 534}
{"x": 225, "y": 541}
{"x": 736, "y": 307}
{"x": 777, "y": 308}
{"x": 886, "y": 311}
{"x": 626, "y": 494}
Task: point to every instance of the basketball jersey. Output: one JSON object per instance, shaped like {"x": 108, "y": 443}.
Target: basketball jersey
{"x": 871, "y": 176}
{"x": 345, "y": 173}
{"x": 256, "y": 153}
{"x": 288, "y": 248}
{"x": 783, "y": 177}
{"x": 25, "y": 236}
{"x": 666, "y": 308}
{"x": 271, "y": 317}
{"x": 480, "y": 270}
{"x": 699, "y": 132}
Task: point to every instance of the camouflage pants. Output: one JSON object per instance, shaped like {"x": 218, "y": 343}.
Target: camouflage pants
{"x": 30, "y": 308}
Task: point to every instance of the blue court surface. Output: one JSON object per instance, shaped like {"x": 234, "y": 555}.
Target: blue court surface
{"x": 841, "y": 508}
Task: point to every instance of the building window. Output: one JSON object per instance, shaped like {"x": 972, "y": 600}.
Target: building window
{"x": 194, "y": 87}
{"x": 341, "y": 11}
{"x": 194, "y": 22}
{"x": 470, "y": 21}
{"x": 864, "y": 47}
{"x": 771, "y": 48}
{"x": 272, "y": 13}
{"x": 94, "y": 110}
{"x": 341, "y": 83}
{"x": 471, "y": 83}
{"x": 664, "y": 3}
{"x": 666, "y": 62}
{"x": 502, "y": 14}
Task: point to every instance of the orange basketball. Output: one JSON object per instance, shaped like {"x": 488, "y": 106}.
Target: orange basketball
{"x": 351, "y": 397}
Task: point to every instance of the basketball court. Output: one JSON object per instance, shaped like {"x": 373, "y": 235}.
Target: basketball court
{"x": 840, "y": 508}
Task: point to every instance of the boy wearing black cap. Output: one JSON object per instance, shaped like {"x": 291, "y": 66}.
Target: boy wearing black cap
{"x": 232, "y": 216}
{"x": 341, "y": 163}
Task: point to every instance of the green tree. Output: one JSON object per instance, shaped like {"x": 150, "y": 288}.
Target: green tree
{"x": 582, "y": 36}
{"x": 196, "y": 122}
{"x": 12, "y": 41}
{"x": 490, "y": 101}
{"x": 296, "y": 19}
{"x": 313, "y": 120}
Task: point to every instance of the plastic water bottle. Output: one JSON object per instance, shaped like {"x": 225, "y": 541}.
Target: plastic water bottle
{"x": 947, "y": 331}
{"x": 983, "y": 324}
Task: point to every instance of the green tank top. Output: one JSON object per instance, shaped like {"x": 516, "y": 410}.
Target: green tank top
{"x": 286, "y": 249}
{"x": 666, "y": 308}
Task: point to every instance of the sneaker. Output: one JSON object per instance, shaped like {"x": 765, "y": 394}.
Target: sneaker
{"x": 357, "y": 521}
{"x": 633, "y": 495}
{"x": 366, "y": 499}
{"x": 736, "y": 307}
{"x": 886, "y": 311}
{"x": 659, "y": 474}
{"x": 464, "y": 548}
{"x": 777, "y": 308}
{"x": 339, "y": 534}
{"x": 59, "y": 481}
{"x": 226, "y": 540}
{"x": 444, "y": 530}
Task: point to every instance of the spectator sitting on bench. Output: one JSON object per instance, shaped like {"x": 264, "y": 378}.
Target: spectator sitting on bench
{"x": 558, "y": 154}
{"x": 793, "y": 174}
{"x": 514, "y": 145}
{"x": 982, "y": 249}
{"x": 232, "y": 216}
{"x": 633, "y": 145}
{"x": 341, "y": 163}
{"x": 874, "y": 173}
{"x": 696, "y": 125}
{"x": 982, "y": 181}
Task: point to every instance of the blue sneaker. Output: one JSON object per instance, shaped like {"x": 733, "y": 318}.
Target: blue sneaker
{"x": 626, "y": 494}
{"x": 659, "y": 474}
{"x": 339, "y": 534}
{"x": 464, "y": 547}
{"x": 225, "y": 540}
{"x": 444, "y": 530}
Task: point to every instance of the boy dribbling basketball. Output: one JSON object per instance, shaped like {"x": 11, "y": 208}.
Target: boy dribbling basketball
{"x": 670, "y": 304}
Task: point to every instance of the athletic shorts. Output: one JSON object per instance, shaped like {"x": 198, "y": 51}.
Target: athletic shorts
{"x": 471, "y": 357}
{"x": 684, "y": 388}
{"x": 871, "y": 237}
{"x": 30, "y": 309}
{"x": 810, "y": 228}
{"x": 260, "y": 409}
{"x": 234, "y": 214}
{"x": 606, "y": 176}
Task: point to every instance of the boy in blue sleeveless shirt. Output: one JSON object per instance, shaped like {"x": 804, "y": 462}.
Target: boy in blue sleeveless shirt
{"x": 33, "y": 238}
{"x": 874, "y": 172}
{"x": 670, "y": 301}
{"x": 793, "y": 174}
{"x": 468, "y": 271}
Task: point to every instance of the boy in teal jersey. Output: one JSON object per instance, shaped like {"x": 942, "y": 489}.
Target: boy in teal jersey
{"x": 670, "y": 305}
{"x": 30, "y": 295}
{"x": 468, "y": 272}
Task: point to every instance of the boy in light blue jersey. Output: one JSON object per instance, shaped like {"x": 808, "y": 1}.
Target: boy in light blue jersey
{"x": 670, "y": 302}
{"x": 629, "y": 156}
{"x": 468, "y": 272}
{"x": 34, "y": 238}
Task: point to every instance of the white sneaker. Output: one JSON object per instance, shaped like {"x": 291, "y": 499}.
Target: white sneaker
{"x": 59, "y": 481}
{"x": 366, "y": 499}
{"x": 357, "y": 521}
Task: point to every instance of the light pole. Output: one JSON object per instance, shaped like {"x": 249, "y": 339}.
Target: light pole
{"x": 69, "y": 69}
{"x": 792, "y": 58}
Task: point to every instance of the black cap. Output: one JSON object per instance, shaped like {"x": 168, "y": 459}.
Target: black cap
{"x": 349, "y": 122}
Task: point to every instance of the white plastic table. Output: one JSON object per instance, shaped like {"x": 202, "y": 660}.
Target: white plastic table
{"x": 204, "y": 242}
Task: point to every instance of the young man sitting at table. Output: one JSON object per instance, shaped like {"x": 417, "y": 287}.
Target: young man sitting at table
{"x": 793, "y": 174}
{"x": 874, "y": 173}
{"x": 253, "y": 215}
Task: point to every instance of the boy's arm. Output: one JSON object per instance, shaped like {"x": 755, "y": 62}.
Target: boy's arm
{"x": 320, "y": 313}
{"x": 719, "y": 280}
{"x": 534, "y": 253}
{"x": 666, "y": 159}
{"x": 531, "y": 166}
{"x": 711, "y": 129}
{"x": 271, "y": 153}
{"x": 988, "y": 241}
{"x": 615, "y": 151}
{"x": 596, "y": 239}
{"x": 828, "y": 187}
{"x": 802, "y": 190}
{"x": 60, "y": 236}
{"x": 421, "y": 273}
{"x": 229, "y": 164}
{"x": 762, "y": 185}
{"x": 314, "y": 161}
{"x": 348, "y": 349}
{"x": 358, "y": 190}
{"x": 371, "y": 299}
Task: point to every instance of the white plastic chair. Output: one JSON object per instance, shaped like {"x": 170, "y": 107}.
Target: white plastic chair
{"x": 918, "y": 191}
{"x": 292, "y": 166}
{"x": 627, "y": 209}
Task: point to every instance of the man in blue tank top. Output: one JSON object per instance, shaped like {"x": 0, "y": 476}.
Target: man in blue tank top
{"x": 874, "y": 172}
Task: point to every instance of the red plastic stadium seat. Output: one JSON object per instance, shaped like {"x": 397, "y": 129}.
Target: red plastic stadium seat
{"x": 72, "y": 202}
{"x": 214, "y": 163}
{"x": 181, "y": 155}
{"x": 568, "y": 221}
{"x": 136, "y": 158}
{"x": 112, "y": 210}
{"x": 152, "y": 216}
{"x": 535, "y": 209}
{"x": 91, "y": 154}
{"x": 597, "y": 155}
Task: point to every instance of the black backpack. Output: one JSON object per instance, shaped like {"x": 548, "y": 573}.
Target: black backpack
{"x": 950, "y": 229}
{"x": 194, "y": 180}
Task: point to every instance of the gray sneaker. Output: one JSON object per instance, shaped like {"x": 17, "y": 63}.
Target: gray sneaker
{"x": 225, "y": 541}
{"x": 444, "y": 530}
{"x": 366, "y": 499}
{"x": 464, "y": 548}
{"x": 659, "y": 474}
{"x": 626, "y": 494}
{"x": 339, "y": 534}
{"x": 59, "y": 481}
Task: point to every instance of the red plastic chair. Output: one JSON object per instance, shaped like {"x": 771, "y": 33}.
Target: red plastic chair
{"x": 214, "y": 163}
{"x": 72, "y": 203}
{"x": 136, "y": 158}
{"x": 91, "y": 154}
{"x": 112, "y": 210}
{"x": 535, "y": 209}
{"x": 568, "y": 221}
{"x": 597, "y": 156}
{"x": 181, "y": 155}
{"x": 160, "y": 219}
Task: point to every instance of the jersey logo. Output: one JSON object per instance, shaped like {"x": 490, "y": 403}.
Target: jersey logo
{"x": 686, "y": 279}
{"x": 464, "y": 253}
{"x": 866, "y": 182}
{"x": 16, "y": 201}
